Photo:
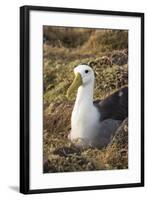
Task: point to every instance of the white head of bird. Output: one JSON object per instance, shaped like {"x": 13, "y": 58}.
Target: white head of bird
{"x": 86, "y": 73}
{"x": 85, "y": 116}
{"x": 84, "y": 82}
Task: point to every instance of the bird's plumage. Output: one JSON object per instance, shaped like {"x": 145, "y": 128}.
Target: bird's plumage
{"x": 114, "y": 106}
{"x": 94, "y": 122}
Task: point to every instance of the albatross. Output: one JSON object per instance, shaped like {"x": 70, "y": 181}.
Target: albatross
{"x": 93, "y": 123}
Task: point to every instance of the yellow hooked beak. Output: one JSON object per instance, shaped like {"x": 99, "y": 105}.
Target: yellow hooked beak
{"x": 75, "y": 84}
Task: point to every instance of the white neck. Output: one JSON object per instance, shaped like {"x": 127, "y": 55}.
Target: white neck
{"x": 85, "y": 117}
{"x": 85, "y": 95}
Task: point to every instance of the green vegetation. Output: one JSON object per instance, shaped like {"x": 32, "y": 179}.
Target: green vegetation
{"x": 106, "y": 51}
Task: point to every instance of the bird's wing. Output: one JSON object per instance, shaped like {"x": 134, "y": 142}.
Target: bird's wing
{"x": 114, "y": 106}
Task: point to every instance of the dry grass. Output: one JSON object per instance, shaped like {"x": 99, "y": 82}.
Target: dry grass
{"x": 106, "y": 52}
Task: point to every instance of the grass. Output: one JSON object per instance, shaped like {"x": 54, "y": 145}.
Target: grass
{"x": 106, "y": 52}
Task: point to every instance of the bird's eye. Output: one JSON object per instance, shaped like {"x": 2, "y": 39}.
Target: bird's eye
{"x": 86, "y": 71}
